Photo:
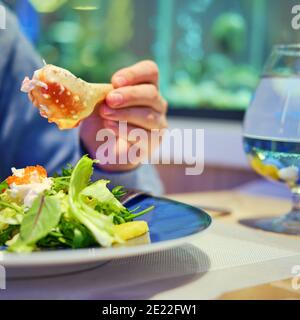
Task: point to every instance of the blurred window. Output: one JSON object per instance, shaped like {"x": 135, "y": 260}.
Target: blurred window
{"x": 210, "y": 52}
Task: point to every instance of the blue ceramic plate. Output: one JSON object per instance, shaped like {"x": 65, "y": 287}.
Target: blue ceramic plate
{"x": 171, "y": 223}
{"x": 171, "y": 219}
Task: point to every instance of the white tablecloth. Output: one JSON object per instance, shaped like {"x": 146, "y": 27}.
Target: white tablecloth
{"x": 226, "y": 258}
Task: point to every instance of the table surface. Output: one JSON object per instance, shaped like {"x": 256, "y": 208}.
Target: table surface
{"x": 241, "y": 205}
{"x": 229, "y": 261}
{"x": 244, "y": 205}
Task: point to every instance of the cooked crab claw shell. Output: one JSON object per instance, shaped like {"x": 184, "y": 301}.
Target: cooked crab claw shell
{"x": 63, "y": 98}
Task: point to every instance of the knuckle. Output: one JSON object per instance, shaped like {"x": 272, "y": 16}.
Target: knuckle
{"x": 153, "y": 68}
{"x": 120, "y": 73}
{"x": 130, "y": 94}
{"x": 130, "y": 74}
{"x": 153, "y": 93}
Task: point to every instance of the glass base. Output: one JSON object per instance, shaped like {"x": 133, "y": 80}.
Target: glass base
{"x": 288, "y": 224}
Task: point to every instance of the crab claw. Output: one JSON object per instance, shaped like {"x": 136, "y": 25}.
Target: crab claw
{"x": 63, "y": 98}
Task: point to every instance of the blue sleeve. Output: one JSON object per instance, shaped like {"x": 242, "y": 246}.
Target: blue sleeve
{"x": 28, "y": 139}
{"x": 25, "y": 137}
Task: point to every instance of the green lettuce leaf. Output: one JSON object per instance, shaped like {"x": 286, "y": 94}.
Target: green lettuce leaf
{"x": 39, "y": 220}
{"x": 100, "y": 225}
{"x": 10, "y": 217}
{"x": 69, "y": 234}
{"x": 99, "y": 191}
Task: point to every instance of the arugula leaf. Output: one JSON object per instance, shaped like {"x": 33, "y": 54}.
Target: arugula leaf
{"x": 8, "y": 233}
{"x": 40, "y": 219}
{"x": 51, "y": 241}
{"x": 61, "y": 181}
{"x": 132, "y": 216}
{"x": 118, "y": 192}
{"x": 77, "y": 234}
{"x": 65, "y": 171}
{"x": 127, "y": 215}
{"x": 70, "y": 234}
{"x": 60, "y": 184}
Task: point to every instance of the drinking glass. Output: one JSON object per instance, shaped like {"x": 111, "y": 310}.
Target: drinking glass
{"x": 272, "y": 132}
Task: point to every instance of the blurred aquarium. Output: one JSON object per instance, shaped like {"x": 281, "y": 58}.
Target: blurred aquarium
{"x": 210, "y": 52}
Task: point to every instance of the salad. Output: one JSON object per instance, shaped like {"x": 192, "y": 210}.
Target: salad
{"x": 67, "y": 210}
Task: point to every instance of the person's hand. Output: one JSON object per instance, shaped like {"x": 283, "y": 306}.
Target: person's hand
{"x": 135, "y": 99}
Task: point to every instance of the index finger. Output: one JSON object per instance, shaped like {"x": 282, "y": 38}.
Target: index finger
{"x": 141, "y": 72}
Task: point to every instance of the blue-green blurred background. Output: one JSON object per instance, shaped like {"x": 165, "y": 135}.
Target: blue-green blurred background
{"x": 210, "y": 52}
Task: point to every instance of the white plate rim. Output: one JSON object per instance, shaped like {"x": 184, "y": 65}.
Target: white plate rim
{"x": 82, "y": 256}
